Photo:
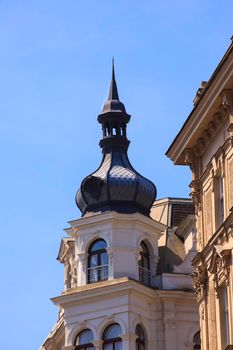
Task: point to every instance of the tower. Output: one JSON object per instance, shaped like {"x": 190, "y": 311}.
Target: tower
{"x": 114, "y": 297}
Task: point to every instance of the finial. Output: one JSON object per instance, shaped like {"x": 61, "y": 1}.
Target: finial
{"x": 113, "y": 104}
{"x": 113, "y": 70}
{"x": 113, "y": 93}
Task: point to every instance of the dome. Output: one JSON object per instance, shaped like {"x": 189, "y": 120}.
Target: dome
{"x": 115, "y": 185}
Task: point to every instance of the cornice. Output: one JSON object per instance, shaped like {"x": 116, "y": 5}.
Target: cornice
{"x": 113, "y": 217}
{"x": 56, "y": 333}
{"x": 118, "y": 286}
{"x": 101, "y": 289}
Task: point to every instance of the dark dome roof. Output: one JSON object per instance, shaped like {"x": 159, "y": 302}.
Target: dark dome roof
{"x": 115, "y": 185}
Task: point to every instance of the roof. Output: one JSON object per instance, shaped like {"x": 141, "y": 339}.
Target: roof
{"x": 180, "y": 211}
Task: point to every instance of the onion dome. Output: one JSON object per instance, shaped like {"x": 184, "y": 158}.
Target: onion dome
{"x": 115, "y": 185}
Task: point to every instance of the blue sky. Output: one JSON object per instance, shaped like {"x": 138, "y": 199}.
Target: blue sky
{"x": 55, "y": 68}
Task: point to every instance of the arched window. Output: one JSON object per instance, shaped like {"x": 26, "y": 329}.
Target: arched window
{"x": 112, "y": 337}
{"x": 144, "y": 265}
{"x": 140, "y": 340}
{"x": 197, "y": 341}
{"x": 97, "y": 269}
{"x": 84, "y": 340}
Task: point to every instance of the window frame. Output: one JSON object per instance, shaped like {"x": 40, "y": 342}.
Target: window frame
{"x": 219, "y": 200}
{"x": 112, "y": 341}
{"x": 99, "y": 253}
{"x": 144, "y": 268}
{"x": 140, "y": 343}
{"x": 195, "y": 345}
{"x": 224, "y": 317}
{"x": 85, "y": 346}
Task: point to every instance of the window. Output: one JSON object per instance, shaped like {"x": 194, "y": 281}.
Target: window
{"x": 144, "y": 265}
{"x": 224, "y": 316}
{"x": 97, "y": 269}
{"x": 112, "y": 337}
{"x": 197, "y": 341}
{"x": 219, "y": 201}
{"x": 84, "y": 340}
{"x": 140, "y": 341}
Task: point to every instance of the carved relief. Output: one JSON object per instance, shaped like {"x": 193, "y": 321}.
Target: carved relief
{"x": 67, "y": 281}
{"x": 220, "y": 266}
{"x": 202, "y": 311}
{"x": 199, "y": 231}
{"x": 196, "y": 195}
{"x": 170, "y": 324}
{"x": 66, "y": 256}
{"x": 197, "y": 200}
{"x": 73, "y": 281}
{"x": 227, "y": 100}
{"x": 227, "y": 103}
{"x": 190, "y": 160}
{"x": 199, "y": 281}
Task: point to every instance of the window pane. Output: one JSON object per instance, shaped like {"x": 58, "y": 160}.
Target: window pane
{"x": 104, "y": 259}
{"x": 140, "y": 332}
{"x": 224, "y": 317}
{"x": 118, "y": 345}
{"x": 97, "y": 262}
{"x": 113, "y": 331}
{"x": 92, "y": 275}
{"x": 144, "y": 256}
{"x": 108, "y": 346}
{"x": 97, "y": 245}
{"x": 85, "y": 337}
{"x": 197, "y": 341}
{"x": 93, "y": 261}
{"x": 103, "y": 273}
{"x": 144, "y": 248}
{"x": 145, "y": 262}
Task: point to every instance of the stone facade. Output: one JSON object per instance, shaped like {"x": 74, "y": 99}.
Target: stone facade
{"x": 205, "y": 144}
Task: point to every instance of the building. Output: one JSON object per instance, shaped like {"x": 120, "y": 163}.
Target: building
{"x": 205, "y": 144}
{"x": 127, "y": 260}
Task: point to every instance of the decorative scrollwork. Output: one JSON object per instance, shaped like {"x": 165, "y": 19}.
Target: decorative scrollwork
{"x": 200, "y": 281}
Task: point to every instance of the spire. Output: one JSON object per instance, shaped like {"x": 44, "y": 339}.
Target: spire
{"x": 113, "y": 104}
{"x": 113, "y": 93}
{"x": 115, "y": 185}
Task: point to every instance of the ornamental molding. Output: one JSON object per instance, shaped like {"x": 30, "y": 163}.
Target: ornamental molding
{"x": 200, "y": 281}
{"x": 67, "y": 251}
{"x": 196, "y": 194}
{"x": 227, "y": 100}
{"x": 190, "y": 159}
{"x": 170, "y": 324}
{"x": 210, "y": 131}
{"x": 219, "y": 266}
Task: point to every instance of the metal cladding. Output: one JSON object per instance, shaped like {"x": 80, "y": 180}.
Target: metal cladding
{"x": 115, "y": 185}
